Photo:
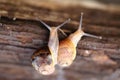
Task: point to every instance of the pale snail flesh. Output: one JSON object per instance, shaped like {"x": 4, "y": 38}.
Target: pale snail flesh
{"x": 67, "y": 47}
{"x": 45, "y": 59}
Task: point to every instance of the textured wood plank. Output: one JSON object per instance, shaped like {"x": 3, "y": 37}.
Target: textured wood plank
{"x": 21, "y": 34}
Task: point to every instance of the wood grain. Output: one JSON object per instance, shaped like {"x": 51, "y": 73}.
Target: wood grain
{"x": 21, "y": 34}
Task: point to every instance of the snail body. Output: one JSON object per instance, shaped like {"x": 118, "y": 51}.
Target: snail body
{"x": 67, "y": 47}
{"x": 45, "y": 59}
{"x": 62, "y": 53}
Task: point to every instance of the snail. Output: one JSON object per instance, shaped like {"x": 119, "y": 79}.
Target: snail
{"x": 67, "y": 47}
{"x": 45, "y": 59}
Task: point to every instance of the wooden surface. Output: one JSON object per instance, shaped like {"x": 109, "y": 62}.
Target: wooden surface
{"x": 21, "y": 34}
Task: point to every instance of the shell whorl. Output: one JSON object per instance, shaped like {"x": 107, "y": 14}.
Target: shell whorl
{"x": 42, "y": 62}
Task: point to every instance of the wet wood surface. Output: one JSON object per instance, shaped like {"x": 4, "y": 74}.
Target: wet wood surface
{"x": 21, "y": 34}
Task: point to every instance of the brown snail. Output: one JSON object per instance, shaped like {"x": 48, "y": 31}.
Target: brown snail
{"x": 67, "y": 47}
{"x": 45, "y": 59}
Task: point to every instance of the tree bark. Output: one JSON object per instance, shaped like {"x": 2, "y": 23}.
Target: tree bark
{"x": 21, "y": 34}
